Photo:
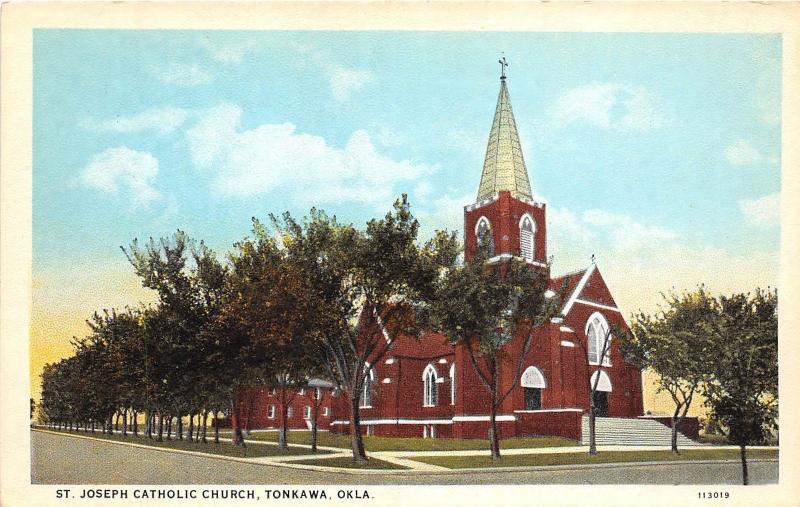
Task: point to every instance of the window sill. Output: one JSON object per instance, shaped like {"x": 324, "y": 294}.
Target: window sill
{"x": 365, "y": 406}
{"x": 598, "y": 364}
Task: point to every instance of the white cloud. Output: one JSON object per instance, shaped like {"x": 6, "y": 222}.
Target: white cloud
{"x": 625, "y": 232}
{"x": 609, "y": 105}
{"x": 276, "y": 156}
{"x": 640, "y": 261}
{"x": 344, "y": 82}
{"x": 182, "y": 74}
{"x": 742, "y": 153}
{"x": 762, "y": 211}
{"x": 123, "y": 167}
{"x": 227, "y": 51}
{"x": 163, "y": 120}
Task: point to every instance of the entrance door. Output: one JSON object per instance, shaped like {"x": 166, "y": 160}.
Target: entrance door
{"x": 601, "y": 403}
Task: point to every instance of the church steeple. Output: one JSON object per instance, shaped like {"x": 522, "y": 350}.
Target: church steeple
{"x": 504, "y": 166}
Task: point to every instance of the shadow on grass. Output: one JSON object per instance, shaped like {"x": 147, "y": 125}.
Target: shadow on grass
{"x": 222, "y": 448}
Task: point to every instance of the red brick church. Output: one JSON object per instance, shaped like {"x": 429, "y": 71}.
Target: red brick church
{"x": 427, "y": 387}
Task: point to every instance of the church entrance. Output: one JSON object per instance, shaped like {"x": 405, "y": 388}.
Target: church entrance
{"x": 601, "y": 403}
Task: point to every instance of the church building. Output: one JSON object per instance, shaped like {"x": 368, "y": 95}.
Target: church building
{"x": 427, "y": 387}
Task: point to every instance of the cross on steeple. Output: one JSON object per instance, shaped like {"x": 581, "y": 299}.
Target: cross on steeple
{"x": 503, "y": 64}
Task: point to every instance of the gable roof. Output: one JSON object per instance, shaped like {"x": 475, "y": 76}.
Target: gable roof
{"x": 584, "y": 286}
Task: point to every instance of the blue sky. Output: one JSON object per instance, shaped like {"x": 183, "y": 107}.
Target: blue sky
{"x": 659, "y": 153}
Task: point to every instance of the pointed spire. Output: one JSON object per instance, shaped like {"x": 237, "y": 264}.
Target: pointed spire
{"x": 504, "y": 166}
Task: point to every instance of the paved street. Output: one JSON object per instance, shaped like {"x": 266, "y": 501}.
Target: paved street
{"x": 63, "y": 459}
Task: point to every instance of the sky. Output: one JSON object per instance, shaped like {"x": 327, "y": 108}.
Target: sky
{"x": 657, "y": 153}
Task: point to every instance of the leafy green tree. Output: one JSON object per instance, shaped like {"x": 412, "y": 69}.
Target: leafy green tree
{"x": 673, "y": 344}
{"x": 482, "y": 307}
{"x": 367, "y": 289}
{"x": 742, "y": 392}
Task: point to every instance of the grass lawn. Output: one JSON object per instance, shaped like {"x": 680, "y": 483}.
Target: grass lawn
{"x": 583, "y": 458}
{"x": 223, "y": 448}
{"x": 347, "y": 462}
{"x": 374, "y": 444}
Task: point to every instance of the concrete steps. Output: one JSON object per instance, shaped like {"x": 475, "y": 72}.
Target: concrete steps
{"x": 631, "y": 431}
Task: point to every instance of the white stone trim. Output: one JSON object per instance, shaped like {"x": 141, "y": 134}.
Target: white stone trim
{"x": 387, "y": 381}
{"x": 368, "y": 422}
{"x": 389, "y": 361}
{"x": 567, "y": 343}
{"x": 470, "y": 418}
{"x": 578, "y": 289}
{"x": 522, "y": 219}
{"x": 566, "y": 329}
{"x": 538, "y": 378}
{"x": 556, "y": 320}
{"x": 598, "y": 305}
{"x": 548, "y": 410}
{"x": 483, "y": 202}
{"x": 605, "y": 378}
{"x": 443, "y": 361}
{"x": 478, "y": 224}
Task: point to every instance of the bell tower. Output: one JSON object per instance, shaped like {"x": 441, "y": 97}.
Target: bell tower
{"x": 505, "y": 213}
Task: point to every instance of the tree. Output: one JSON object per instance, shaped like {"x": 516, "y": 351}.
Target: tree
{"x": 367, "y": 287}
{"x": 482, "y": 306}
{"x": 593, "y": 381}
{"x": 673, "y": 344}
{"x": 742, "y": 391}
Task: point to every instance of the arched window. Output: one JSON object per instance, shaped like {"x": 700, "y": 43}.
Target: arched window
{"x": 527, "y": 228}
{"x": 453, "y": 384}
{"x": 532, "y": 383}
{"x": 596, "y": 333}
{"x": 604, "y": 383}
{"x": 483, "y": 231}
{"x": 430, "y": 390}
{"x": 366, "y": 391}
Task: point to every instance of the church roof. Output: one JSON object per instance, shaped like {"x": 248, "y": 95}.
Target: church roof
{"x": 504, "y": 166}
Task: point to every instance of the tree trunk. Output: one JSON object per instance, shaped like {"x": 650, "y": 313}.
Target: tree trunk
{"x": 494, "y": 442}
{"x": 592, "y": 439}
{"x": 116, "y": 421}
{"x": 111, "y": 424}
{"x": 125, "y": 423}
{"x": 169, "y": 428}
{"x": 314, "y": 429}
{"x": 238, "y": 437}
{"x": 205, "y": 425}
{"x": 180, "y": 427}
{"x": 135, "y": 424}
{"x": 743, "y": 456}
{"x": 215, "y": 422}
{"x": 357, "y": 443}
{"x": 160, "y": 427}
{"x": 284, "y": 431}
{"x": 191, "y": 426}
{"x": 148, "y": 423}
